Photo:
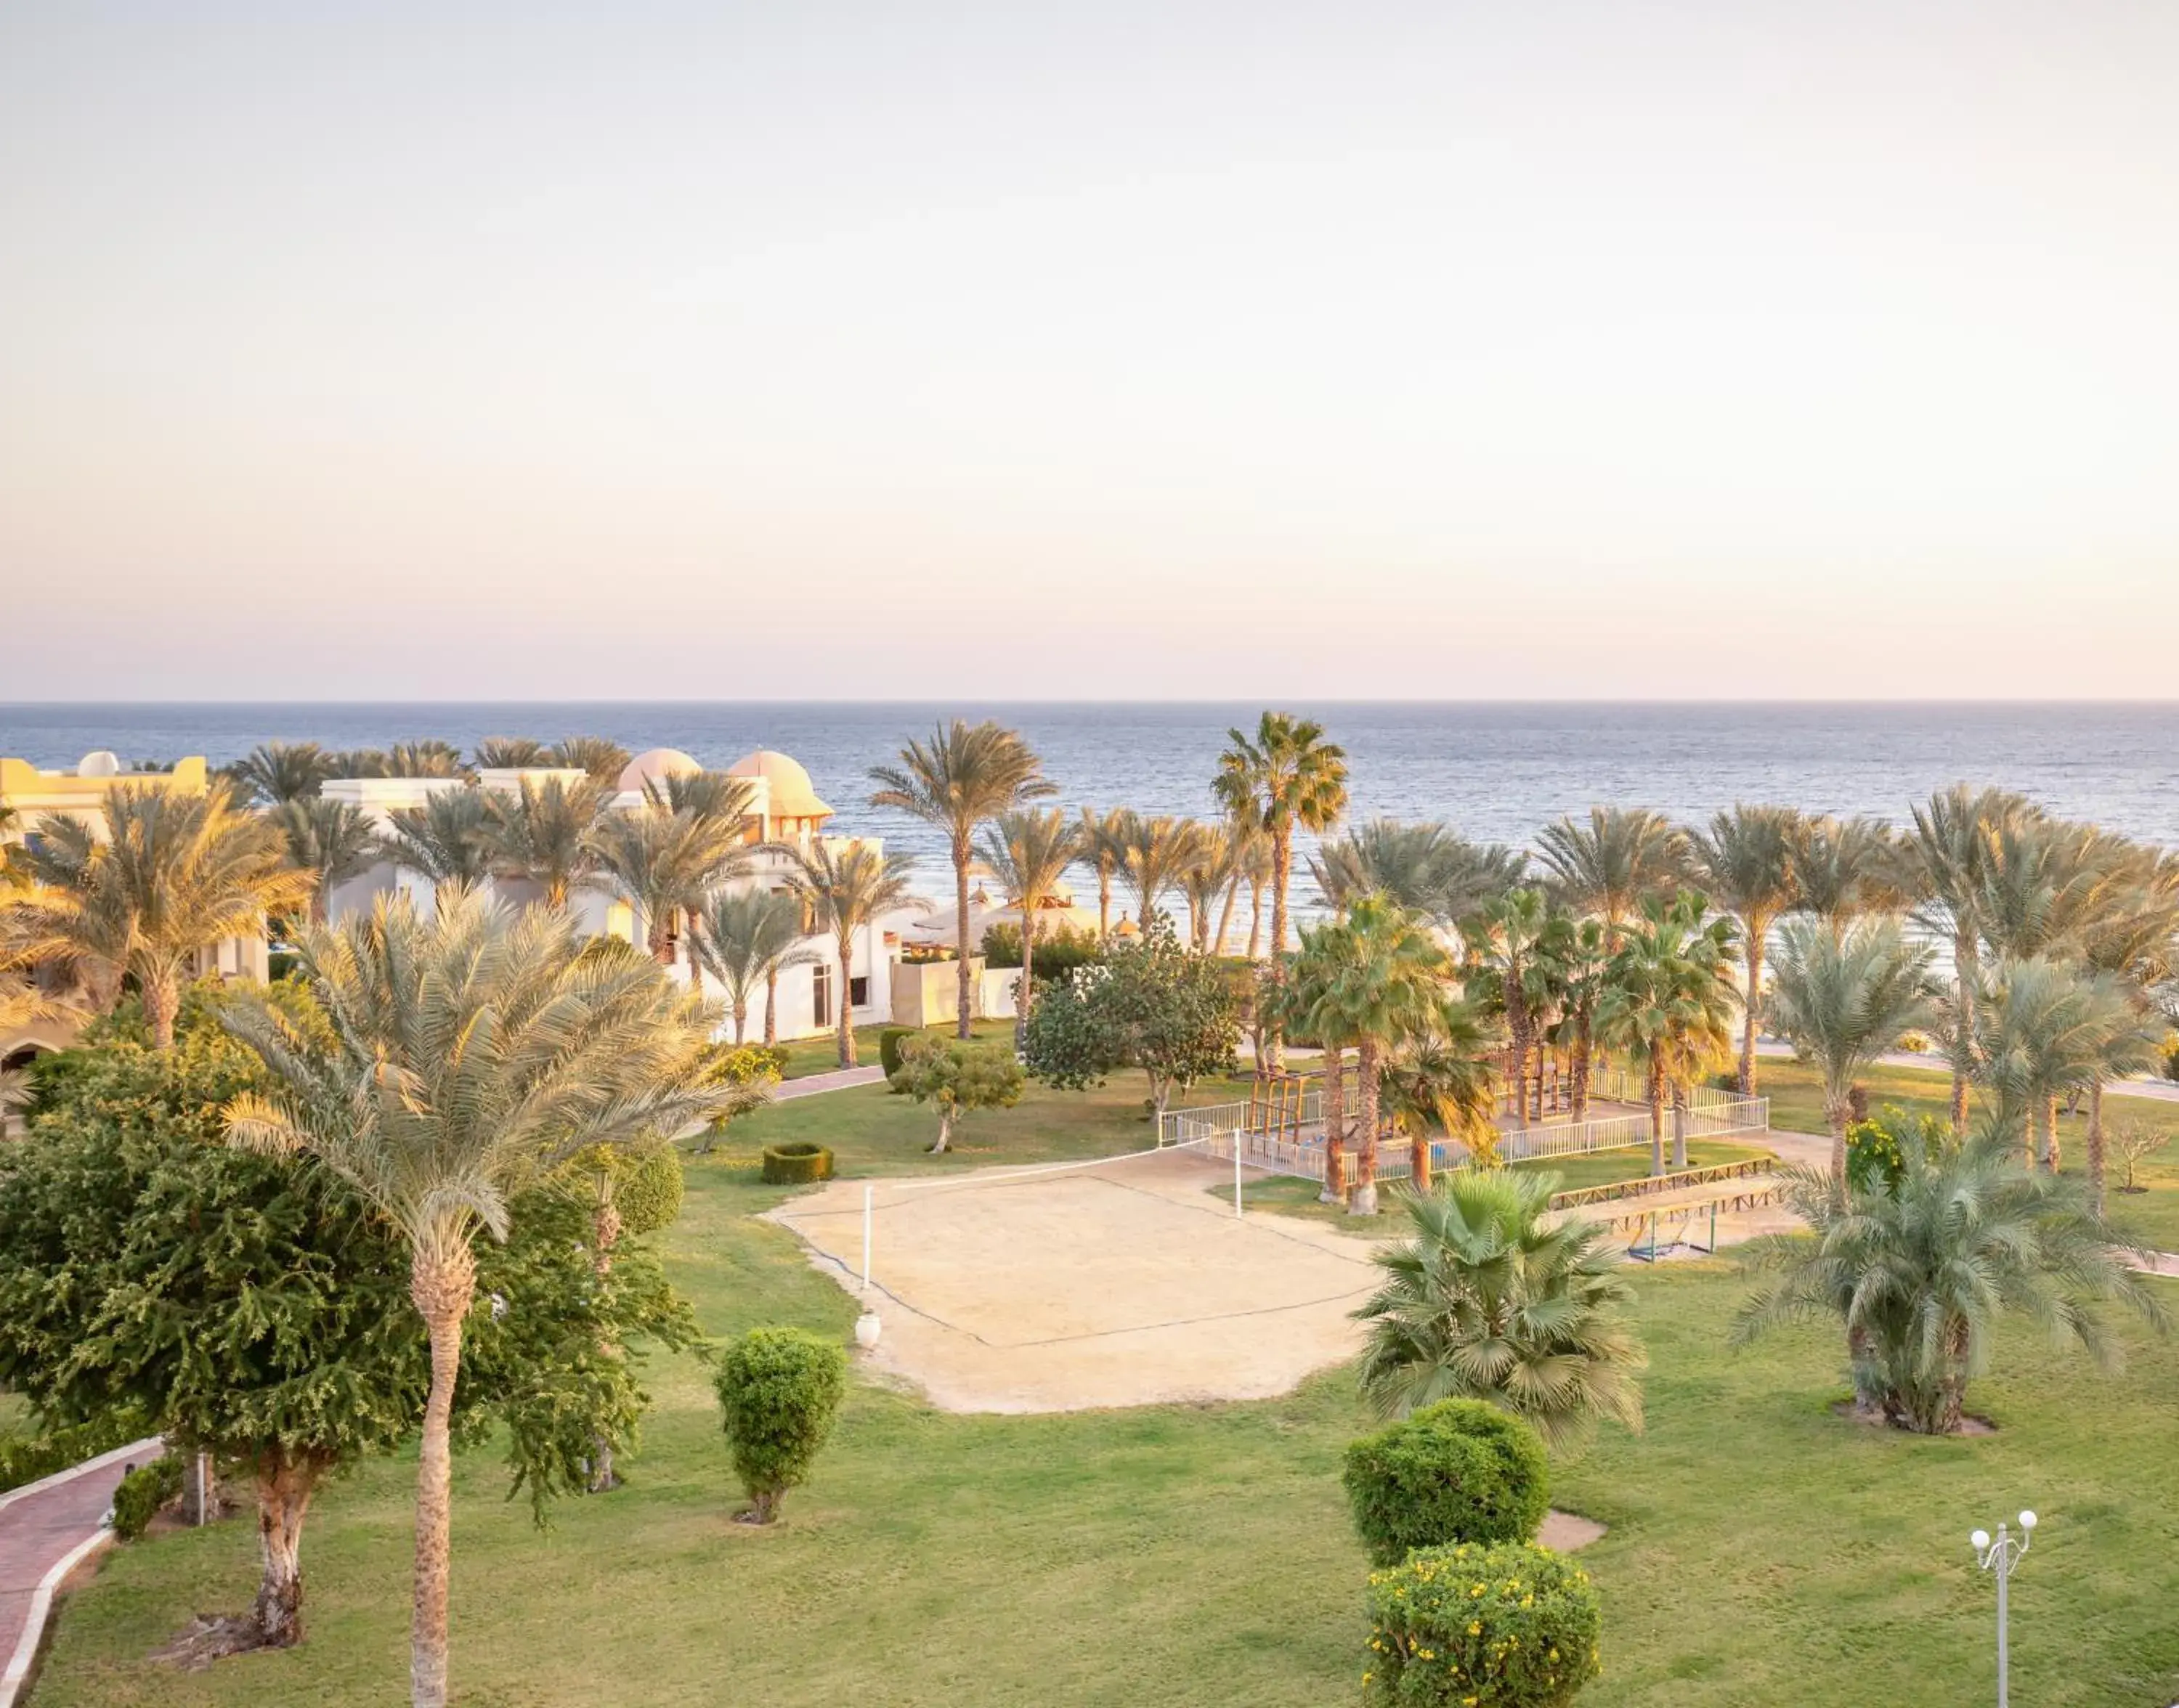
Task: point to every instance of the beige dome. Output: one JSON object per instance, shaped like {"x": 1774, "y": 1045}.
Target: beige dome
{"x": 657, "y": 764}
{"x": 791, "y": 794}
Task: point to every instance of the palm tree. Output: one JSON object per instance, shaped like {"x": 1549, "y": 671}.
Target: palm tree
{"x": 1246, "y": 857}
{"x": 1509, "y": 966}
{"x": 1030, "y": 849}
{"x": 1154, "y": 856}
{"x": 357, "y": 762}
{"x": 2049, "y": 1030}
{"x": 443, "y": 838}
{"x": 1845, "y": 999}
{"x": 464, "y": 1058}
{"x": 512, "y": 753}
{"x": 604, "y": 760}
{"x": 1442, "y": 1076}
{"x": 1953, "y": 849}
{"x": 965, "y": 776}
{"x": 1286, "y": 778}
{"x": 1922, "y": 1270}
{"x": 666, "y": 862}
{"x": 275, "y": 773}
{"x": 1848, "y": 869}
{"x": 1310, "y": 999}
{"x": 1609, "y": 866}
{"x": 850, "y": 887}
{"x": 1744, "y": 862}
{"x": 2136, "y": 943}
{"x": 1100, "y": 853}
{"x": 1576, "y": 970}
{"x": 1669, "y": 1003}
{"x": 333, "y": 840}
{"x": 1390, "y": 988}
{"x": 1207, "y": 878}
{"x": 1490, "y": 1301}
{"x": 546, "y": 834}
{"x": 432, "y": 759}
{"x": 745, "y": 939}
{"x": 174, "y": 875}
{"x": 1428, "y": 869}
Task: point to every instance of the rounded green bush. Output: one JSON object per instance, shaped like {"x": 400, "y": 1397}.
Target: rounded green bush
{"x": 1457, "y": 1471}
{"x": 796, "y": 1164}
{"x": 1480, "y": 1625}
{"x": 647, "y": 1190}
{"x": 141, "y": 1491}
{"x": 780, "y": 1389}
{"x": 889, "y": 1042}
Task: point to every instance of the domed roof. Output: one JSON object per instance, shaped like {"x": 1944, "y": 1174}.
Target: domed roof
{"x": 102, "y": 764}
{"x": 656, "y": 763}
{"x": 791, "y": 794}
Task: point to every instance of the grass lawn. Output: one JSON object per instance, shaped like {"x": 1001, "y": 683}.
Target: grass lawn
{"x": 2151, "y": 1216}
{"x": 821, "y": 1055}
{"x": 1761, "y": 1550}
{"x": 1290, "y": 1196}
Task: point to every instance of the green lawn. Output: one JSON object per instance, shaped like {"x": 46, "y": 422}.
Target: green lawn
{"x": 1761, "y": 1549}
{"x": 1296, "y": 1197}
{"x": 821, "y": 1055}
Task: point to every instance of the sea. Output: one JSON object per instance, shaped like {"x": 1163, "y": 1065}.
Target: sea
{"x": 1494, "y": 771}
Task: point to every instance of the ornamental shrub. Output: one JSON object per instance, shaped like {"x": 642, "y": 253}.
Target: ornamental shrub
{"x": 889, "y": 1042}
{"x": 26, "y": 1457}
{"x": 139, "y": 1495}
{"x": 781, "y": 1389}
{"x": 2170, "y": 1057}
{"x": 796, "y": 1164}
{"x": 1058, "y": 952}
{"x": 1461, "y": 1470}
{"x": 1478, "y": 1625}
{"x": 648, "y": 1189}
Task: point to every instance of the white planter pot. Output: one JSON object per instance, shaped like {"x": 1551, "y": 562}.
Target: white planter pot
{"x": 867, "y": 1330}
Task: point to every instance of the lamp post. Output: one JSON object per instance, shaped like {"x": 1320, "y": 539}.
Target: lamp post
{"x": 2000, "y": 1556}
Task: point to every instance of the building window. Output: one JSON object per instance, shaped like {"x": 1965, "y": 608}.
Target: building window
{"x": 820, "y": 995}
{"x": 859, "y": 992}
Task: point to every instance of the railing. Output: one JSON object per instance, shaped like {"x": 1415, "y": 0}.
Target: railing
{"x": 1650, "y": 1186}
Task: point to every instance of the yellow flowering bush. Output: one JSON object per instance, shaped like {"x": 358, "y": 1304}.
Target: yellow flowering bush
{"x": 1480, "y": 1625}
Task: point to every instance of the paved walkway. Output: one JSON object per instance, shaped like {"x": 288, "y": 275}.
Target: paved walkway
{"x": 809, "y": 1086}
{"x": 47, "y": 1528}
{"x": 2147, "y": 1086}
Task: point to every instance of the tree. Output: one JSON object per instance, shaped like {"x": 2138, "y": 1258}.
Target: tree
{"x": 1151, "y": 1007}
{"x": 1610, "y": 866}
{"x": 665, "y": 860}
{"x": 1490, "y": 1301}
{"x": 603, "y": 759}
{"x": 443, "y": 839}
{"x": 1029, "y": 851}
{"x": 174, "y": 875}
{"x": 512, "y": 753}
{"x": 1921, "y": 1271}
{"x": 1952, "y": 849}
{"x": 275, "y": 773}
{"x": 848, "y": 888}
{"x": 469, "y": 1056}
{"x": 1848, "y": 869}
{"x": 745, "y": 939}
{"x": 1310, "y": 999}
{"x": 1100, "y": 853}
{"x": 252, "y": 1310}
{"x": 1577, "y": 972}
{"x": 1432, "y": 872}
{"x": 330, "y": 841}
{"x": 1286, "y": 778}
{"x": 2135, "y": 943}
{"x": 1844, "y": 1001}
{"x": 959, "y": 1077}
{"x": 1508, "y": 965}
{"x": 545, "y": 834}
{"x": 2049, "y": 1030}
{"x": 1442, "y": 1076}
{"x": 1391, "y": 987}
{"x": 1154, "y": 855}
{"x": 963, "y": 778}
{"x": 780, "y": 1390}
{"x": 1669, "y": 1002}
{"x": 1245, "y": 857}
{"x": 429, "y": 758}
{"x": 1743, "y": 861}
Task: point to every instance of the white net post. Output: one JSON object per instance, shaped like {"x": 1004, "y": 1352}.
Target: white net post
{"x": 1236, "y": 1173}
{"x": 866, "y": 1238}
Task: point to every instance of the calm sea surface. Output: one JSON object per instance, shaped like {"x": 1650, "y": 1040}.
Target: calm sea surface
{"x": 1494, "y": 771}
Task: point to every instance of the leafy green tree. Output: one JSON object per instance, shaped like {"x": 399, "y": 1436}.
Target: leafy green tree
{"x": 1285, "y": 778}
{"x": 780, "y": 1390}
{"x": 1844, "y": 1001}
{"x": 1743, "y": 861}
{"x": 959, "y": 1078}
{"x": 1669, "y": 1003}
{"x": 848, "y": 887}
{"x": 1441, "y": 1076}
{"x": 959, "y": 782}
{"x": 745, "y": 939}
{"x": 1030, "y": 849}
{"x": 1152, "y": 1006}
{"x": 1921, "y": 1270}
{"x": 1489, "y": 1300}
{"x": 469, "y": 1057}
{"x": 545, "y": 834}
{"x": 443, "y": 840}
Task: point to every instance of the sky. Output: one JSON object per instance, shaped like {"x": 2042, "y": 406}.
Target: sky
{"x": 1577, "y": 349}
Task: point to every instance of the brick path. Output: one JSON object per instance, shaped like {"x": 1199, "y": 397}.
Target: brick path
{"x": 42, "y": 1525}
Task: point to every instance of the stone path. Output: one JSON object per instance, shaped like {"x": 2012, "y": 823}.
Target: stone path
{"x": 47, "y": 1528}
{"x": 839, "y": 1080}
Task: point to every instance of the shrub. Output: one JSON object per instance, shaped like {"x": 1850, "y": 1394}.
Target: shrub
{"x": 1915, "y": 1043}
{"x": 959, "y": 1078}
{"x": 26, "y": 1458}
{"x": 889, "y": 1042}
{"x": 142, "y": 1492}
{"x": 648, "y": 1189}
{"x": 2170, "y": 1057}
{"x": 781, "y": 1389}
{"x": 796, "y": 1164}
{"x": 1496, "y": 1625}
{"x": 1461, "y": 1470}
{"x": 1056, "y": 955}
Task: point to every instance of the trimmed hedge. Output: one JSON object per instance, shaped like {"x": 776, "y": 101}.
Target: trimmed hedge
{"x": 796, "y": 1164}
{"x": 648, "y": 1191}
{"x": 1457, "y": 1471}
{"x": 1497, "y": 1625}
{"x": 27, "y": 1458}
{"x": 889, "y": 1043}
{"x": 780, "y": 1389}
{"x": 139, "y": 1495}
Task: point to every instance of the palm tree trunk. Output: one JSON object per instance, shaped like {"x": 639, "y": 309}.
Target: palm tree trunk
{"x": 1963, "y": 961}
{"x": 2096, "y": 1146}
{"x": 961, "y": 855}
{"x": 771, "y": 1007}
{"x": 1836, "y": 1110}
{"x": 741, "y": 1021}
{"x": 845, "y": 1017}
{"x": 1657, "y": 1114}
{"x": 162, "y": 1000}
{"x": 1364, "y": 1200}
{"x": 1751, "y": 1007}
{"x": 1255, "y": 920}
{"x": 605, "y": 1234}
{"x": 2049, "y": 1116}
{"x": 1335, "y": 1125}
{"x": 1419, "y": 1156}
{"x": 1577, "y": 1068}
{"x": 1104, "y": 904}
{"x": 1275, "y": 1054}
{"x": 440, "y": 1287}
{"x": 1226, "y": 910}
{"x": 1679, "y": 1127}
{"x": 284, "y": 1487}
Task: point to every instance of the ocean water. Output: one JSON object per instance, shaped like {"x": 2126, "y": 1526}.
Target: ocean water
{"x": 1495, "y": 771}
